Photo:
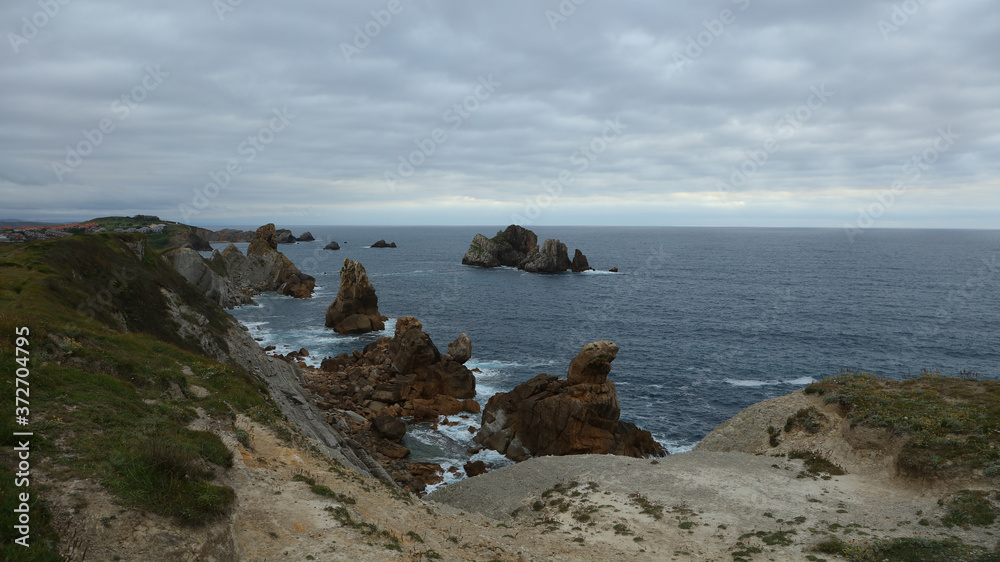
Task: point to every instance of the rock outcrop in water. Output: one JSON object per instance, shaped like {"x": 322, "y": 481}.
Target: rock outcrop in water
{"x": 579, "y": 415}
{"x": 332, "y": 246}
{"x": 227, "y": 275}
{"x": 264, "y": 268}
{"x": 355, "y": 310}
{"x": 383, "y": 244}
{"x": 402, "y": 376}
{"x": 306, "y": 237}
{"x": 517, "y": 247}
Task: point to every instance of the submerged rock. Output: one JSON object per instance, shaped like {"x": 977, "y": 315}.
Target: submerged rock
{"x": 579, "y": 415}
{"x": 355, "y": 310}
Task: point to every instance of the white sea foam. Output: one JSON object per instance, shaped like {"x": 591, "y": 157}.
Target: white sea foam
{"x": 599, "y": 272}
{"x": 755, "y": 383}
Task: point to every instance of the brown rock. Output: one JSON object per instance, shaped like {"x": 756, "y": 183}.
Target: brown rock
{"x": 355, "y": 310}
{"x": 426, "y": 472}
{"x": 474, "y": 468}
{"x": 389, "y": 427}
{"x": 461, "y": 349}
{"x": 392, "y": 450}
{"x": 580, "y": 262}
{"x": 471, "y": 406}
{"x": 579, "y": 415}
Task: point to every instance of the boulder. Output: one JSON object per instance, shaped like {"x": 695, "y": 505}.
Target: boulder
{"x": 389, "y": 427}
{"x": 553, "y": 257}
{"x": 580, "y": 262}
{"x": 460, "y": 350}
{"x": 613, "y": 270}
{"x": 284, "y": 236}
{"x": 306, "y": 237}
{"x": 382, "y": 244}
{"x": 332, "y": 246}
{"x": 355, "y": 310}
{"x": 579, "y": 415}
{"x": 474, "y": 468}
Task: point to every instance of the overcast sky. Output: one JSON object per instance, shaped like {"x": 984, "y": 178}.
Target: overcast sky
{"x": 727, "y": 112}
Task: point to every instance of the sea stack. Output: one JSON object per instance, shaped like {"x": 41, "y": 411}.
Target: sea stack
{"x": 576, "y": 416}
{"x": 516, "y": 246}
{"x": 355, "y": 310}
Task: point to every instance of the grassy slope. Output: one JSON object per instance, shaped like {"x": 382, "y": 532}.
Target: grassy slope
{"x": 948, "y": 423}
{"x": 111, "y": 404}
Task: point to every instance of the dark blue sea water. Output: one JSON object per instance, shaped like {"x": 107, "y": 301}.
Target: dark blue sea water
{"x": 709, "y": 320}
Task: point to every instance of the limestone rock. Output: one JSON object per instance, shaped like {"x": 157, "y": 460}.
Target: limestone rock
{"x": 264, "y": 240}
{"x": 553, "y": 257}
{"x": 579, "y": 415}
{"x": 482, "y": 253}
{"x": 461, "y": 349}
{"x": 203, "y": 274}
{"x": 355, "y": 310}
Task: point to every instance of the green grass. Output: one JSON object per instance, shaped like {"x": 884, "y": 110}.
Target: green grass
{"x": 108, "y": 397}
{"x": 970, "y": 507}
{"x": 907, "y": 549}
{"x": 816, "y": 465}
{"x": 945, "y": 422}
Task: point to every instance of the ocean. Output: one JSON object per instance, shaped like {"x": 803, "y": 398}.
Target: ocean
{"x": 708, "y": 320}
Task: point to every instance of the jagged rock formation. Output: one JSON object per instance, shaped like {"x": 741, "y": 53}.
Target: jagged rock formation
{"x": 332, "y": 246}
{"x": 402, "y": 376}
{"x": 284, "y": 236}
{"x": 579, "y": 415}
{"x": 306, "y": 237}
{"x": 517, "y": 247}
{"x": 553, "y": 257}
{"x": 208, "y": 275}
{"x": 580, "y": 262}
{"x": 355, "y": 310}
{"x": 264, "y": 268}
{"x": 382, "y": 244}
